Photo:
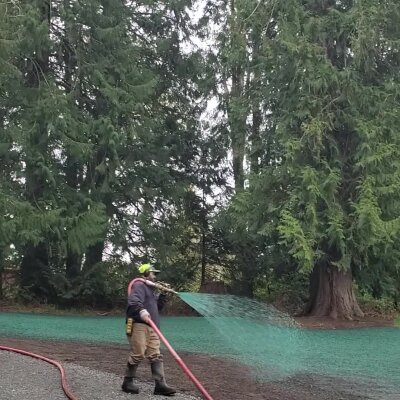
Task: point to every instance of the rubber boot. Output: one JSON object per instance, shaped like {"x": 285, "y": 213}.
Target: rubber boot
{"x": 161, "y": 388}
{"x": 128, "y": 386}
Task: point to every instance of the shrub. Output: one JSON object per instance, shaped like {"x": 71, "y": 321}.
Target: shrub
{"x": 383, "y": 307}
{"x": 288, "y": 293}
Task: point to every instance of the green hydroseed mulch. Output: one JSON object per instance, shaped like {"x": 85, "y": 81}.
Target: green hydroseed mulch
{"x": 262, "y": 338}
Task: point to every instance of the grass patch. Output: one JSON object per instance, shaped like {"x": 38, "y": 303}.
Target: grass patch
{"x": 397, "y": 321}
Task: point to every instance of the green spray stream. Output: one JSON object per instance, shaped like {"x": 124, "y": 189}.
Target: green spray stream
{"x": 271, "y": 342}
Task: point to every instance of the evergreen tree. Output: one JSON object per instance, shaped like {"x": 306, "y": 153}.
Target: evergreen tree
{"x": 334, "y": 190}
{"x": 242, "y": 67}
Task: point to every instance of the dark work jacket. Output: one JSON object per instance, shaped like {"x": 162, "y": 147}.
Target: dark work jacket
{"x": 143, "y": 297}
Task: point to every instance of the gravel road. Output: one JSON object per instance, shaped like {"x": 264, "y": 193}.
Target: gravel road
{"x": 25, "y": 378}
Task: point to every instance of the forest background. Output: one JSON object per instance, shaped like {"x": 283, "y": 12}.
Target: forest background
{"x": 244, "y": 146}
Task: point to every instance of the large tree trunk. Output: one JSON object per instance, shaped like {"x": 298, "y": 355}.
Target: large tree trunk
{"x": 1, "y": 273}
{"x": 73, "y": 265}
{"x": 34, "y": 270}
{"x": 73, "y": 260}
{"x": 35, "y": 263}
{"x": 255, "y": 137}
{"x": 94, "y": 255}
{"x": 236, "y": 108}
{"x": 247, "y": 266}
{"x": 332, "y": 293}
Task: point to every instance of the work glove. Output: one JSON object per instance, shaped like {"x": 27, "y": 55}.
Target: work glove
{"x": 145, "y": 315}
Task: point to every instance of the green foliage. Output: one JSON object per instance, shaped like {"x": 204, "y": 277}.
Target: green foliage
{"x": 98, "y": 132}
{"x": 382, "y": 307}
{"x": 288, "y": 292}
{"x": 103, "y": 155}
{"x": 293, "y": 237}
{"x": 311, "y": 114}
{"x": 104, "y": 286}
{"x": 84, "y": 229}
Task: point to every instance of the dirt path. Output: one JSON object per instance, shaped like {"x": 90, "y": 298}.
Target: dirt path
{"x": 329, "y": 323}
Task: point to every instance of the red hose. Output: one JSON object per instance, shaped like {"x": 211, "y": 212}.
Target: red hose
{"x": 180, "y": 362}
{"x": 132, "y": 282}
{"x": 67, "y": 392}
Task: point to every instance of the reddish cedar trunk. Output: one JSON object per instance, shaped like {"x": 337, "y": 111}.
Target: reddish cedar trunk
{"x": 332, "y": 294}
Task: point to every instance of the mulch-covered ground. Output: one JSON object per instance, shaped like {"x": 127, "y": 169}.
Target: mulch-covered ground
{"x": 223, "y": 379}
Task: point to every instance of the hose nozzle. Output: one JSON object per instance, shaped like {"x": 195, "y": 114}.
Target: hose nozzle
{"x": 159, "y": 286}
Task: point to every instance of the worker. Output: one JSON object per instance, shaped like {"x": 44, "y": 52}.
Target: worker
{"x": 144, "y": 304}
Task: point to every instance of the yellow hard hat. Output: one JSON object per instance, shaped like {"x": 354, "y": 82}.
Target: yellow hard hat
{"x": 147, "y": 268}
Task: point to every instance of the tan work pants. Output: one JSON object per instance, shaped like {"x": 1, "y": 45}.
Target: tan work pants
{"x": 143, "y": 343}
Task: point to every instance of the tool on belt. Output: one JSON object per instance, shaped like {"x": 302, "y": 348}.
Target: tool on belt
{"x": 129, "y": 326}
